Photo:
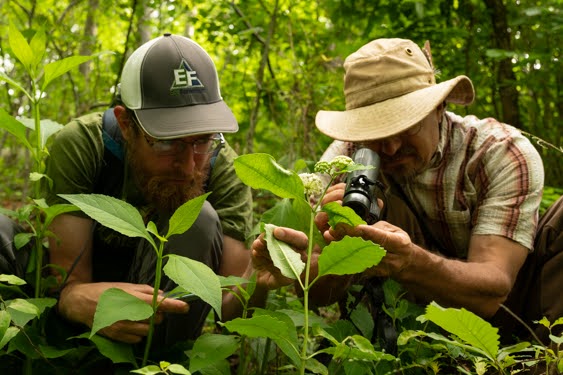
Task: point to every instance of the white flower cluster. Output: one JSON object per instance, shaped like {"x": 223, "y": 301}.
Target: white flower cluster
{"x": 336, "y": 165}
{"x": 312, "y": 183}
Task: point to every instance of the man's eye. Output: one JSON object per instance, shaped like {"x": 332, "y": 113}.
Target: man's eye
{"x": 164, "y": 145}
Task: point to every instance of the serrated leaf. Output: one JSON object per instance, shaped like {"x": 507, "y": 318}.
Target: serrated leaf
{"x": 197, "y": 278}
{"x": 349, "y": 256}
{"x": 287, "y": 260}
{"x": 115, "y": 305}
{"x": 467, "y": 326}
{"x": 112, "y": 213}
{"x": 184, "y": 217}
{"x": 211, "y": 348}
{"x": 261, "y": 171}
{"x": 340, "y": 214}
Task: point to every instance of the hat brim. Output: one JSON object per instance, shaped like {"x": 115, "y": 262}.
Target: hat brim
{"x": 392, "y": 116}
{"x": 169, "y": 123}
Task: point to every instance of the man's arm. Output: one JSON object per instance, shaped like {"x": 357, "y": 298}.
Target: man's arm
{"x": 479, "y": 284}
{"x": 79, "y": 296}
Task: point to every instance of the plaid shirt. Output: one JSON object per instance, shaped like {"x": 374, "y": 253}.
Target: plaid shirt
{"x": 485, "y": 178}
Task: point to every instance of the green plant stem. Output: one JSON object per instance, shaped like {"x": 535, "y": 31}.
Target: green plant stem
{"x": 157, "y": 279}
{"x": 306, "y": 294}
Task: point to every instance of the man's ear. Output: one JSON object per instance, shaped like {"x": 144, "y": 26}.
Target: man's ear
{"x": 124, "y": 121}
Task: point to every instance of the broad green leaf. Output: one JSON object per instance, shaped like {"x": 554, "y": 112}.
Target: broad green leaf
{"x": 340, "y": 214}
{"x": 186, "y": 215}
{"x": 22, "y": 305}
{"x": 211, "y": 348}
{"x": 287, "y": 260}
{"x": 349, "y": 256}
{"x": 363, "y": 319}
{"x": 5, "y": 321}
{"x": 10, "y": 333}
{"x": 289, "y": 344}
{"x": 21, "y": 49}
{"x": 12, "y": 280}
{"x": 197, "y": 278}
{"x": 53, "y": 352}
{"x": 24, "y": 310}
{"x": 38, "y": 45}
{"x": 115, "y": 305}
{"x": 177, "y": 369}
{"x": 22, "y": 239}
{"x": 232, "y": 280}
{"x": 55, "y": 210}
{"x": 298, "y": 318}
{"x": 14, "y": 127}
{"x": 260, "y": 171}
{"x": 48, "y": 128}
{"x": 467, "y": 326}
{"x": 118, "y": 352}
{"x": 148, "y": 370}
{"x": 316, "y": 367}
{"x": 112, "y": 213}
{"x": 60, "y": 67}
{"x": 258, "y": 326}
{"x": 283, "y": 214}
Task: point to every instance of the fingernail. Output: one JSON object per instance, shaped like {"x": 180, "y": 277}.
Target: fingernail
{"x": 280, "y": 232}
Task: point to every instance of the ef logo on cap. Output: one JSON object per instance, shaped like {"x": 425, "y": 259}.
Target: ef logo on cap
{"x": 185, "y": 78}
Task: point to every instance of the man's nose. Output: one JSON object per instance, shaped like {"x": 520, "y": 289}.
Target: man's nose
{"x": 185, "y": 159}
{"x": 389, "y": 146}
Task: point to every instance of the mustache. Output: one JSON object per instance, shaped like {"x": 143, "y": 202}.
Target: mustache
{"x": 402, "y": 152}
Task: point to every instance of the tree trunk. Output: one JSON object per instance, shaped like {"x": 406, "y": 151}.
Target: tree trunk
{"x": 505, "y": 76}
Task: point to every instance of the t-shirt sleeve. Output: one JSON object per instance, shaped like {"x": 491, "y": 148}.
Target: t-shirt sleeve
{"x": 230, "y": 197}
{"x": 75, "y": 155}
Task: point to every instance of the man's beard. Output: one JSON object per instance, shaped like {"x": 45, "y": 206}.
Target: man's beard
{"x": 160, "y": 192}
{"x": 403, "y": 173}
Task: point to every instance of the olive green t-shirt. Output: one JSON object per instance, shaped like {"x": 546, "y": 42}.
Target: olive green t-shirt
{"x": 76, "y": 165}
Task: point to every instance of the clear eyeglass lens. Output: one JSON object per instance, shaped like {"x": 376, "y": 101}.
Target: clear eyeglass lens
{"x": 201, "y": 146}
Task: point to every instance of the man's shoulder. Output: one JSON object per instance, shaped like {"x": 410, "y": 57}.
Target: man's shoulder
{"x": 488, "y": 132}
{"x": 86, "y": 124}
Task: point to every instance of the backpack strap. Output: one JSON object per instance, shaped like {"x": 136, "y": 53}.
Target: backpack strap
{"x": 111, "y": 133}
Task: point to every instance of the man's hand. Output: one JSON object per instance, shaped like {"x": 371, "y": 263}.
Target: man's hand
{"x": 78, "y": 302}
{"x": 394, "y": 240}
{"x": 268, "y": 274}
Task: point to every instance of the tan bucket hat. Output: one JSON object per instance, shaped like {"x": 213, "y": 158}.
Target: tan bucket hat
{"x": 389, "y": 86}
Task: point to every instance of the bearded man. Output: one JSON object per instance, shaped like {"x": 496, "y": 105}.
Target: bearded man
{"x": 166, "y": 147}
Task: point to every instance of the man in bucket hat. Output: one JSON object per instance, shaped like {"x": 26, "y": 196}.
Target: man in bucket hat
{"x": 160, "y": 146}
{"x": 462, "y": 194}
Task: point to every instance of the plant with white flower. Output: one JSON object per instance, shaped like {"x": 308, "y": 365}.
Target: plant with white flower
{"x": 350, "y": 255}
{"x": 313, "y": 185}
